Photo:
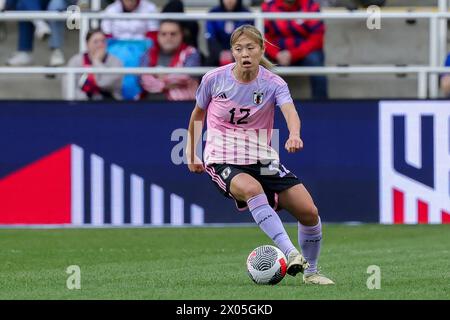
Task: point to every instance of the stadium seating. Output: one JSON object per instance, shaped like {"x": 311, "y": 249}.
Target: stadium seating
{"x": 347, "y": 43}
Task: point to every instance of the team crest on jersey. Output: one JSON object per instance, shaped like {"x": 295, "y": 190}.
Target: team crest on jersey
{"x": 258, "y": 97}
{"x": 226, "y": 173}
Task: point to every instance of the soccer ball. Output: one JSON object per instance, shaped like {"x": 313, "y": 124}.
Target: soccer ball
{"x": 266, "y": 265}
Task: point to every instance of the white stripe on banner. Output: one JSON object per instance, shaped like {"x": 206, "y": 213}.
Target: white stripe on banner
{"x": 117, "y": 195}
{"x": 413, "y": 141}
{"x": 137, "y": 200}
{"x": 157, "y": 204}
{"x": 197, "y": 215}
{"x": 410, "y": 208}
{"x": 77, "y": 186}
{"x": 97, "y": 190}
{"x": 176, "y": 210}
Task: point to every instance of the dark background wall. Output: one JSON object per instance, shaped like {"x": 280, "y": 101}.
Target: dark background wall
{"x": 339, "y": 163}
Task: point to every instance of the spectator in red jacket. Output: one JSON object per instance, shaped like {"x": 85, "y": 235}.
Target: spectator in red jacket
{"x": 297, "y": 42}
{"x": 171, "y": 51}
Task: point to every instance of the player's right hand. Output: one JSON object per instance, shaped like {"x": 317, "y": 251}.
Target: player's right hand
{"x": 196, "y": 166}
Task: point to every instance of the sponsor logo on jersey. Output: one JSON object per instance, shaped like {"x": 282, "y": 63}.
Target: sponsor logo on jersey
{"x": 226, "y": 173}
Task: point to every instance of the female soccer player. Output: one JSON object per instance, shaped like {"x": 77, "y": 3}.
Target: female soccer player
{"x": 238, "y": 101}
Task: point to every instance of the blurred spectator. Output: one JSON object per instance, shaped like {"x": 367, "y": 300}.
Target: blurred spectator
{"x": 190, "y": 28}
{"x": 445, "y": 80}
{"x": 41, "y": 27}
{"x": 54, "y": 30}
{"x": 130, "y": 39}
{"x": 130, "y": 29}
{"x": 95, "y": 86}
{"x": 171, "y": 51}
{"x": 297, "y": 42}
{"x": 218, "y": 32}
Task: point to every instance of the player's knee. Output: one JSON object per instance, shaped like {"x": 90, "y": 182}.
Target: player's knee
{"x": 251, "y": 190}
{"x": 244, "y": 187}
{"x": 314, "y": 211}
{"x": 310, "y": 217}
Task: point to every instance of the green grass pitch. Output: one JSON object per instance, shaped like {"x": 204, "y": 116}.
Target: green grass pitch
{"x": 209, "y": 263}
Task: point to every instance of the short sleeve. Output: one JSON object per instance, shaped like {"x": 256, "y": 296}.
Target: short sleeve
{"x": 282, "y": 94}
{"x": 204, "y": 92}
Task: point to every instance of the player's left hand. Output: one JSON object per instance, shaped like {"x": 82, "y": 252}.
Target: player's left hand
{"x": 293, "y": 144}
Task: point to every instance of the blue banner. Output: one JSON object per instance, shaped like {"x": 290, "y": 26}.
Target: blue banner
{"x": 125, "y": 148}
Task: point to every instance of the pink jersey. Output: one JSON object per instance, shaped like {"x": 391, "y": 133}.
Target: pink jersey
{"x": 240, "y": 115}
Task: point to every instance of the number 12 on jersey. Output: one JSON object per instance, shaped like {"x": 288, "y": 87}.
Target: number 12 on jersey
{"x": 245, "y": 111}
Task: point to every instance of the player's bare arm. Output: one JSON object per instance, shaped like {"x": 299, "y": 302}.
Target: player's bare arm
{"x": 195, "y": 164}
{"x": 294, "y": 143}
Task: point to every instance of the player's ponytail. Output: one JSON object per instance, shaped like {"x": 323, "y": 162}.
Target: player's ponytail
{"x": 253, "y": 33}
{"x": 266, "y": 63}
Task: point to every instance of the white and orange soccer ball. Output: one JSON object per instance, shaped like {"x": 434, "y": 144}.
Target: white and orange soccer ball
{"x": 266, "y": 265}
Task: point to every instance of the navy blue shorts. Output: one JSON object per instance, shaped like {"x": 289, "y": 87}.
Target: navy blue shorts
{"x": 273, "y": 177}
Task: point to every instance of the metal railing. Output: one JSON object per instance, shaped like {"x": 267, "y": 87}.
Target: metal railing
{"x": 427, "y": 75}
{"x": 422, "y": 73}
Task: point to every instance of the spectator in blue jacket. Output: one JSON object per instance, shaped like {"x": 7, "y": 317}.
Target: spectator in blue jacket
{"x": 445, "y": 80}
{"x": 218, "y": 32}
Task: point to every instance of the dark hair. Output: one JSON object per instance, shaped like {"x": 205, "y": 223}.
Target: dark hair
{"x": 189, "y": 27}
{"x": 91, "y": 32}
{"x": 237, "y": 8}
{"x": 173, "y": 6}
{"x": 180, "y": 25}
